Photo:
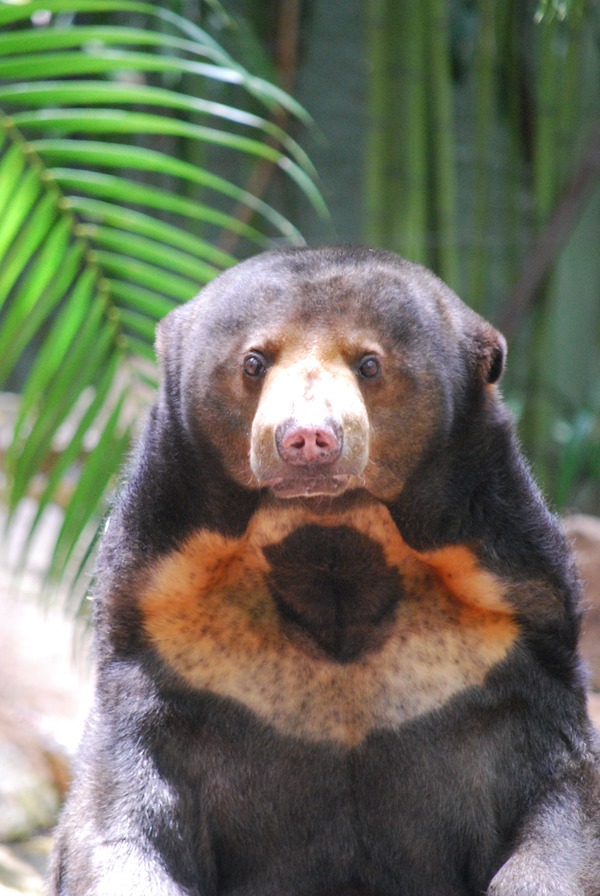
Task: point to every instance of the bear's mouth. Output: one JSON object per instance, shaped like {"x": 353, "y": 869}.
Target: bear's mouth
{"x": 309, "y": 486}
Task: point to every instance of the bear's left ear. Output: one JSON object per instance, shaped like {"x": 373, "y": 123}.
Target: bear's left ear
{"x": 160, "y": 341}
{"x": 490, "y": 353}
{"x": 164, "y": 336}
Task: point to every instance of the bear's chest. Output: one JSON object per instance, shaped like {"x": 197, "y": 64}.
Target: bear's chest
{"x": 326, "y": 629}
{"x": 364, "y": 820}
{"x": 334, "y": 590}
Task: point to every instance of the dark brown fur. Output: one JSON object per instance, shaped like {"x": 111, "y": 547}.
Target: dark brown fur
{"x": 336, "y": 625}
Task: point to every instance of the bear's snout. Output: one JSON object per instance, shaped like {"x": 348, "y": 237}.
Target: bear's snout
{"x": 309, "y": 444}
{"x": 310, "y": 433}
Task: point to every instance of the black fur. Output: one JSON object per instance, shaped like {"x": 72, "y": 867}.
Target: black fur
{"x": 336, "y": 584}
{"x": 184, "y": 791}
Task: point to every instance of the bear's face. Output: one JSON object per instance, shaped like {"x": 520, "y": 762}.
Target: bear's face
{"x": 314, "y": 373}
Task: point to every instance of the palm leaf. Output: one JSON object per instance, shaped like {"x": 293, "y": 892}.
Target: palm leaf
{"x": 102, "y": 232}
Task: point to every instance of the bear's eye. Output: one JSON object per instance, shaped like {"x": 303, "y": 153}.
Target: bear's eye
{"x": 254, "y": 364}
{"x": 369, "y": 367}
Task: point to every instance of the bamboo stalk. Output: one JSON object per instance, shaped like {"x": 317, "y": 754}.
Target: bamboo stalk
{"x": 408, "y": 199}
{"x": 484, "y": 88}
{"x": 376, "y": 173}
{"x": 545, "y": 148}
{"x": 513, "y": 75}
{"x": 569, "y": 94}
{"x": 261, "y": 173}
{"x": 552, "y": 238}
{"x": 537, "y": 418}
{"x": 442, "y": 143}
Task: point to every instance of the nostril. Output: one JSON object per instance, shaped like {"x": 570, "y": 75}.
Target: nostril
{"x": 300, "y": 445}
{"x": 323, "y": 440}
{"x": 297, "y": 441}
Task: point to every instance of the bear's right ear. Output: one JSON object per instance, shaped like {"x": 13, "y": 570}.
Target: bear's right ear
{"x": 490, "y": 353}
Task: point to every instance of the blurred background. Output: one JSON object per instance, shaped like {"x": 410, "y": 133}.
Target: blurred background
{"x": 144, "y": 147}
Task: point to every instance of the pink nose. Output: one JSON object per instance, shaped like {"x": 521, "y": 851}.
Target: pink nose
{"x": 300, "y": 445}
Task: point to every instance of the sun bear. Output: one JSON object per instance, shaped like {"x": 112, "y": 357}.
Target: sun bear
{"x": 336, "y": 625}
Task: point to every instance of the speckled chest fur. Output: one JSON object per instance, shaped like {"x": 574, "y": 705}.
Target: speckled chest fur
{"x": 324, "y": 624}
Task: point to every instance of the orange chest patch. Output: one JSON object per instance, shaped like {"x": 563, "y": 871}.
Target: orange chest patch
{"x": 325, "y": 627}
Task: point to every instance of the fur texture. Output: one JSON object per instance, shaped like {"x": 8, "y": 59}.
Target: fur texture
{"x": 336, "y": 624}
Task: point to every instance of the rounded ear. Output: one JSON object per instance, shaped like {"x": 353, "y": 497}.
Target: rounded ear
{"x": 161, "y": 339}
{"x": 490, "y": 353}
{"x": 170, "y": 333}
{"x": 165, "y": 336}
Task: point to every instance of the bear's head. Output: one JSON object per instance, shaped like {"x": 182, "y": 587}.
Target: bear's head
{"x": 315, "y": 372}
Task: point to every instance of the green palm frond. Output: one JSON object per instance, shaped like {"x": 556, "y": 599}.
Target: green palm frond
{"x": 105, "y": 224}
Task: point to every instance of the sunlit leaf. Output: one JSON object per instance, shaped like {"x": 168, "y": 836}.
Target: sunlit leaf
{"x": 115, "y": 155}
{"x": 74, "y": 92}
{"x": 86, "y": 356}
{"x": 61, "y": 336}
{"x": 45, "y": 285}
{"x": 150, "y": 250}
{"x": 268, "y": 93}
{"x": 26, "y": 243}
{"x": 138, "y": 298}
{"x": 105, "y": 226}
{"x": 92, "y": 484}
{"x": 22, "y": 198}
{"x": 137, "y": 222}
{"x": 120, "y": 190}
{"x": 12, "y": 165}
{"x": 73, "y": 450}
{"x": 113, "y": 122}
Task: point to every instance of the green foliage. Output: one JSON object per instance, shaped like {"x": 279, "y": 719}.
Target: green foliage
{"x": 483, "y": 158}
{"x": 128, "y": 139}
{"x": 558, "y": 8}
{"x": 105, "y": 225}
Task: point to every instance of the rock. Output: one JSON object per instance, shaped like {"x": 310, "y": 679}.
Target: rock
{"x": 29, "y": 795}
{"x": 44, "y": 697}
{"x": 594, "y": 708}
{"x": 583, "y": 533}
{"x": 45, "y": 692}
{"x": 22, "y": 867}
